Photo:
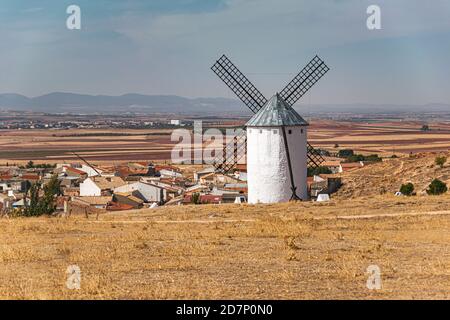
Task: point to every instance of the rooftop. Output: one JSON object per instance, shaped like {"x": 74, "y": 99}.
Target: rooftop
{"x": 276, "y": 113}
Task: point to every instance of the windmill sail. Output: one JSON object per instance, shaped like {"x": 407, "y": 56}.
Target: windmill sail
{"x": 309, "y": 75}
{"x": 239, "y": 84}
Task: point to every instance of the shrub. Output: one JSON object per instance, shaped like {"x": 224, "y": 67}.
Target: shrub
{"x": 437, "y": 187}
{"x": 318, "y": 170}
{"x": 440, "y": 161}
{"x": 195, "y": 199}
{"x": 407, "y": 189}
{"x": 345, "y": 153}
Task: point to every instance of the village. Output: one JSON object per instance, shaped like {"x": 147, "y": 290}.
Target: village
{"x": 86, "y": 189}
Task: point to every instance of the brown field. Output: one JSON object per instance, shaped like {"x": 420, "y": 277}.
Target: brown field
{"x": 384, "y": 138}
{"x": 19, "y": 146}
{"x": 287, "y": 251}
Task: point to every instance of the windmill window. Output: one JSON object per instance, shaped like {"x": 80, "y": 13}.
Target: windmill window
{"x": 289, "y": 131}
{"x": 260, "y": 131}
{"x": 301, "y": 131}
{"x": 275, "y": 131}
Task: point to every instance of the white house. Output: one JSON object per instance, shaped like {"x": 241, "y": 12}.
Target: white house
{"x": 203, "y": 172}
{"x": 90, "y": 171}
{"x": 98, "y": 186}
{"x": 145, "y": 191}
{"x": 170, "y": 174}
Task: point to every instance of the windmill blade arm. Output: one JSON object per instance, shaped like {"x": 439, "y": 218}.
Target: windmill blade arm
{"x": 239, "y": 84}
{"x": 309, "y": 75}
{"x": 233, "y": 153}
{"x": 315, "y": 159}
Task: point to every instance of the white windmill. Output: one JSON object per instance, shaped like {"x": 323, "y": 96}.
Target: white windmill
{"x": 278, "y": 153}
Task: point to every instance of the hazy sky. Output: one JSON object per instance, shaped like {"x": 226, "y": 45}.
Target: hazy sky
{"x": 167, "y": 47}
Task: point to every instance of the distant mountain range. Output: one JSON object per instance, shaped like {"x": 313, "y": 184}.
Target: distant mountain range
{"x": 60, "y": 102}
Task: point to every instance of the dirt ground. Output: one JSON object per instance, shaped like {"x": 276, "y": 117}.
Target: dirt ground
{"x": 286, "y": 251}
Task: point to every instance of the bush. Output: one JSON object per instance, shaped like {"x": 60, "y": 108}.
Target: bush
{"x": 345, "y": 153}
{"x": 437, "y": 187}
{"x": 318, "y": 170}
{"x": 360, "y": 157}
{"x": 440, "y": 161}
{"x": 195, "y": 199}
{"x": 407, "y": 189}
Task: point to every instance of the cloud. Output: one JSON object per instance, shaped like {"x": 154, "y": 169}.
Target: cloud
{"x": 168, "y": 46}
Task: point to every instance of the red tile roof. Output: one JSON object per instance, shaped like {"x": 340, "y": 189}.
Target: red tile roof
{"x": 30, "y": 177}
{"x": 114, "y": 206}
{"x": 74, "y": 170}
{"x": 204, "y": 198}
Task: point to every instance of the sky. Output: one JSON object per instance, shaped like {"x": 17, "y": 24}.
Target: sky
{"x": 168, "y": 47}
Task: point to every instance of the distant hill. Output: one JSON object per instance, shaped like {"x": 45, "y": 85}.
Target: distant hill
{"x": 62, "y": 102}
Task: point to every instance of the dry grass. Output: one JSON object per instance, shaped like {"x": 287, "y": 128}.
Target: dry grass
{"x": 391, "y": 174}
{"x": 286, "y": 251}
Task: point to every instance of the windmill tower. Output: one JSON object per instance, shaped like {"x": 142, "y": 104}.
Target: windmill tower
{"x": 278, "y": 153}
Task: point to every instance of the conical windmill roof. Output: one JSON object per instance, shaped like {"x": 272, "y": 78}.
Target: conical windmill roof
{"x": 276, "y": 113}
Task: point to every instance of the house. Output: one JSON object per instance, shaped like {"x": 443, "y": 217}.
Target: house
{"x": 14, "y": 185}
{"x": 204, "y": 199}
{"x": 68, "y": 171}
{"x": 128, "y": 199}
{"x": 348, "y": 166}
{"x": 31, "y": 178}
{"x": 165, "y": 173}
{"x": 94, "y": 202}
{"x": 198, "y": 188}
{"x": 114, "y": 206}
{"x": 238, "y": 187}
{"x": 21, "y": 203}
{"x": 327, "y": 184}
{"x": 333, "y": 165}
{"x": 100, "y": 186}
{"x": 203, "y": 172}
{"x": 90, "y": 171}
{"x": 218, "y": 179}
{"x": 145, "y": 191}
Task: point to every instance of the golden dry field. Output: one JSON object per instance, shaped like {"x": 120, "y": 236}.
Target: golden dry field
{"x": 286, "y": 251}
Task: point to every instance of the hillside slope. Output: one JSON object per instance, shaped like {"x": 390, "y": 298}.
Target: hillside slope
{"x": 388, "y": 176}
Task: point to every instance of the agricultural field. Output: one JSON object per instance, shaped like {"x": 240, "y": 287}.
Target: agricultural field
{"x": 383, "y": 138}
{"x": 285, "y": 251}
{"x": 121, "y": 145}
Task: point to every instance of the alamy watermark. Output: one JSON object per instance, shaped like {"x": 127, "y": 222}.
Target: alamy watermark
{"x": 73, "y": 281}
{"x": 374, "y": 279}
{"x": 374, "y": 20}
{"x": 200, "y": 146}
{"x": 73, "y": 22}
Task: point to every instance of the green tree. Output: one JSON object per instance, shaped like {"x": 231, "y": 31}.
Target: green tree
{"x": 30, "y": 164}
{"x": 407, "y": 189}
{"x": 45, "y": 204}
{"x": 31, "y": 201}
{"x": 440, "y": 161}
{"x": 425, "y": 127}
{"x": 437, "y": 187}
